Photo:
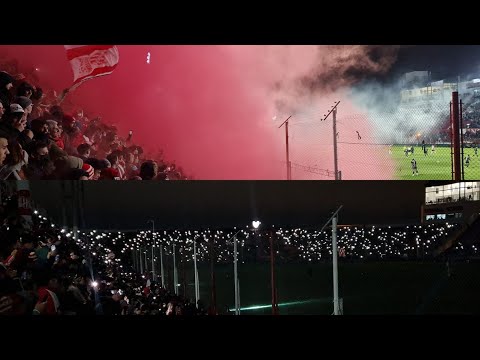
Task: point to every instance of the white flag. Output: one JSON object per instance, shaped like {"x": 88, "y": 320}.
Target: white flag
{"x": 89, "y": 61}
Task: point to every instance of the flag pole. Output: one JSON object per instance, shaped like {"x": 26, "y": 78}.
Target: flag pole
{"x": 62, "y": 96}
{"x": 68, "y": 90}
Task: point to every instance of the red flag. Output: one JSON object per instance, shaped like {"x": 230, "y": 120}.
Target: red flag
{"x": 89, "y": 61}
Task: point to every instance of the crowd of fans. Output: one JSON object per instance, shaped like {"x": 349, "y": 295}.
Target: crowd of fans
{"x": 355, "y": 243}
{"x": 43, "y": 136}
{"x": 48, "y": 270}
{"x": 44, "y": 271}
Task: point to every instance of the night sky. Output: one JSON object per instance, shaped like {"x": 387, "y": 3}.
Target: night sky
{"x": 444, "y": 61}
{"x": 128, "y": 205}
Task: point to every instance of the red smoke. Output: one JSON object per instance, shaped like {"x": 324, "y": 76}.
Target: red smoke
{"x": 210, "y": 108}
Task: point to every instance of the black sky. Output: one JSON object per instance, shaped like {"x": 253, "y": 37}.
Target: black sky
{"x": 444, "y": 61}
{"x": 128, "y": 205}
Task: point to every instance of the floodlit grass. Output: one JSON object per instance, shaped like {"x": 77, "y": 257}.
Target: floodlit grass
{"x": 434, "y": 166}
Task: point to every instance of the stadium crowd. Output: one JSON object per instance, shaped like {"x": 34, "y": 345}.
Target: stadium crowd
{"x": 44, "y": 271}
{"x": 301, "y": 245}
{"x": 45, "y": 136}
{"x": 51, "y": 271}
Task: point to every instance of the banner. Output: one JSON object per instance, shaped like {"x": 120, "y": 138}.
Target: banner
{"x": 90, "y": 61}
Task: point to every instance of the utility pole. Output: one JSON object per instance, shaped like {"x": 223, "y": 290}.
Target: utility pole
{"x": 272, "y": 275}
{"x": 455, "y": 134}
{"x": 289, "y": 165}
{"x": 64, "y": 206}
{"x": 212, "y": 276}
{"x": 153, "y": 250}
{"x": 162, "y": 271}
{"x": 336, "y": 307}
{"x": 197, "y": 288}
{"x": 333, "y": 218}
{"x": 75, "y": 209}
{"x": 335, "y": 150}
{"x": 175, "y": 273}
{"x": 146, "y": 259}
{"x": 235, "y": 274}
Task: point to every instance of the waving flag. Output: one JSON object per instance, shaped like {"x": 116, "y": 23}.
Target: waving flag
{"x": 89, "y": 61}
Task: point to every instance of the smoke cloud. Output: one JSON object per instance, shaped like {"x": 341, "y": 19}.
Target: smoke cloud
{"x": 215, "y": 110}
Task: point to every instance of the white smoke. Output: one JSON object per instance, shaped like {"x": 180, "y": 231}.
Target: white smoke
{"x": 401, "y": 122}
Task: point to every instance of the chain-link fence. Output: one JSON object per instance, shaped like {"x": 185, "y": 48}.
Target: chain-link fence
{"x": 389, "y": 269}
{"x": 470, "y": 137}
{"x": 409, "y": 142}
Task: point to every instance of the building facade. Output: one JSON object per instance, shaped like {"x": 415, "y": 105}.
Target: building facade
{"x": 454, "y": 202}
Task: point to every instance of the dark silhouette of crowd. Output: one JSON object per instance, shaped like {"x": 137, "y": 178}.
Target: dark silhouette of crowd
{"x": 44, "y": 271}
{"x": 47, "y": 270}
{"x": 44, "y": 136}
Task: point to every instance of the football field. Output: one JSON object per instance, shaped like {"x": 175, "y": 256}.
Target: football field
{"x": 399, "y": 287}
{"x": 434, "y": 166}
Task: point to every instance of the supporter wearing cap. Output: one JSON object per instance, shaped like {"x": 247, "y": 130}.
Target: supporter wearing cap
{"x": 13, "y": 123}
{"x": 25, "y": 103}
{"x": 106, "y": 163}
{"x": 16, "y": 108}
{"x": 97, "y": 165}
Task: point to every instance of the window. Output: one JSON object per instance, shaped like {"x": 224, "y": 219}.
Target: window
{"x": 452, "y": 193}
